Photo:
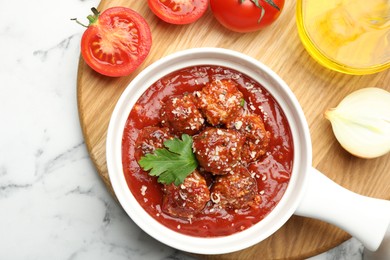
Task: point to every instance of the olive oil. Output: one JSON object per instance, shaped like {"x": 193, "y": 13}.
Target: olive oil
{"x": 350, "y": 36}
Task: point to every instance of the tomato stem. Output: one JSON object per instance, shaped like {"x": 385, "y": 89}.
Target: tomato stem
{"x": 271, "y": 3}
{"x": 92, "y": 18}
{"x": 77, "y": 21}
{"x": 257, "y": 4}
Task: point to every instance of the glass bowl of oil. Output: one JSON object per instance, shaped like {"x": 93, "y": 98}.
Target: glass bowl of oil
{"x": 349, "y": 36}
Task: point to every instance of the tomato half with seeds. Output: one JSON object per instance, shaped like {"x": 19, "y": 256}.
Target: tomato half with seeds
{"x": 116, "y": 42}
{"x": 246, "y": 15}
{"x": 178, "y": 11}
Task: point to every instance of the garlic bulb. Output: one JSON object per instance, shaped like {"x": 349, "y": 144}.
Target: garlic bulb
{"x": 361, "y": 122}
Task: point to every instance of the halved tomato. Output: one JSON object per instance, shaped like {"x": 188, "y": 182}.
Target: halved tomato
{"x": 178, "y": 11}
{"x": 116, "y": 42}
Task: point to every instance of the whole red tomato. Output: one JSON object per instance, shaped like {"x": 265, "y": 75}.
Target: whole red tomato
{"x": 178, "y": 11}
{"x": 246, "y": 15}
{"x": 116, "y": 42}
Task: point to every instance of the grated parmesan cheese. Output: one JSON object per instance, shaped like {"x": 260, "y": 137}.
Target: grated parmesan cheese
{"x": 238, "y": 125}
{"x": 215, "y": 198}
{"x": 143, "y": 190}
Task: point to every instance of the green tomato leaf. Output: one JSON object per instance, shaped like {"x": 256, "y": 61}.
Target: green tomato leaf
{"x": 173, "y": 163}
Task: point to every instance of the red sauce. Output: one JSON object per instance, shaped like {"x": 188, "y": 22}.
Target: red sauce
{"x": 272, "y": 171}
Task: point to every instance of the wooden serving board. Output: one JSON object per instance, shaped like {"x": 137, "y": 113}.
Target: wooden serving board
{"x": 316, "y": 88}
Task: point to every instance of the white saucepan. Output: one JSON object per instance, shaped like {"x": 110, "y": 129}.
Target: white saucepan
{"x": 309, "y": 193}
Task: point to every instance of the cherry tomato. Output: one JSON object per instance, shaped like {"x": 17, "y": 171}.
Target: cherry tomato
{"x": 116, "y": 42}
{"x": 178, "y": 11}
{"x": 246, "y": 15}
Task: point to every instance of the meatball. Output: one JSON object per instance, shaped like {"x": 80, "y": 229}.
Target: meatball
{"x": 187, "y": 199}
{"x": 218, "y": 150}
{"x": 181, "y": 116}
{"x": 256, "y": 137}
{"x": 149, "y": 139}
{"x": 235, "y": 191}
{"x": 219, "y": 101}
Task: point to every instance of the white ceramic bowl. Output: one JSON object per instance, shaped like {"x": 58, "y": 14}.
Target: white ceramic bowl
{"x": 301, "y": 138}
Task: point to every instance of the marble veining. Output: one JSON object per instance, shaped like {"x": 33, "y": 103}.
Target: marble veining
{"x": 53, "y": 204}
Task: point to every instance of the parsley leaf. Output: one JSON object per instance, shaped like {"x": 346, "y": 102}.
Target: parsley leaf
{"x": 171, "y": 165}
{"x": 242, "y": 102}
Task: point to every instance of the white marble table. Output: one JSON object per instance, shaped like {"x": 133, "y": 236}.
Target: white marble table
{"x": 53, "y": 204}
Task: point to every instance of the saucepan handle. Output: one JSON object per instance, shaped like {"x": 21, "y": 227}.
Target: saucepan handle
{"x": 365, "y": 218}
{"x": 383, "y": 252}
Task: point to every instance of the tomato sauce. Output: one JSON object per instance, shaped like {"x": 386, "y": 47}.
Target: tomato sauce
{"x": 272, "y": 172}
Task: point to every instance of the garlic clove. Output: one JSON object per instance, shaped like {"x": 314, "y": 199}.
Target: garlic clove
{"x": 361, "y": 122}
